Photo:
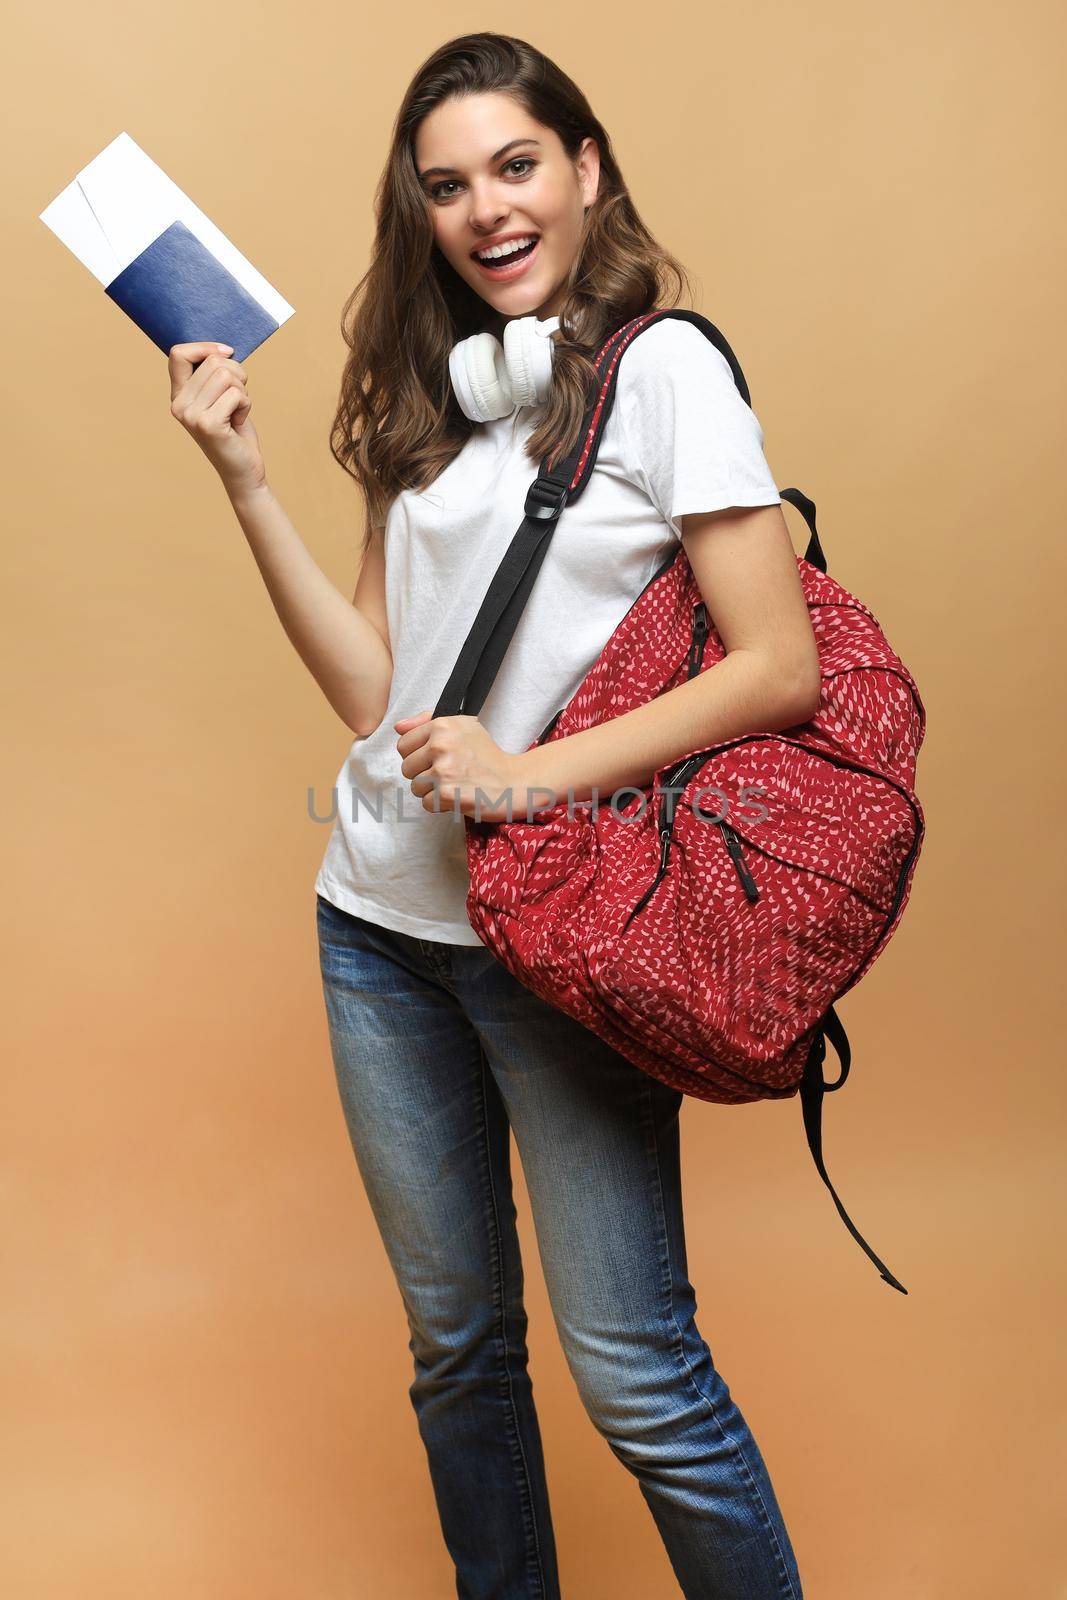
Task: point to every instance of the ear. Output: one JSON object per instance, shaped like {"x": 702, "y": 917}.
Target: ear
{"x": 588, "y": 164}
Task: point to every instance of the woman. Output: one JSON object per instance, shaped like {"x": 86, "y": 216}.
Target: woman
{"x": 439, "y": 1052}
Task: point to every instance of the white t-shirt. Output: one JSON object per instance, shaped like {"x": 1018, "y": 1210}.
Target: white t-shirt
{"x": 679, "y": 439}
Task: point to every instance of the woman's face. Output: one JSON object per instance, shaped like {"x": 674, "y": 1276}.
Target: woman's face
{"x": 490, "y": 172}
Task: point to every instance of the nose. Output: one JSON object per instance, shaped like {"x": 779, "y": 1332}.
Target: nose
{"x": 488, "y": 209}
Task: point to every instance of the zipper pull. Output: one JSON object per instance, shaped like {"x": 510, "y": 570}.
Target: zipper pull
{"x": 664, "y": 851}
{"x": 700, "y": 635}
{"x": 733, "y": 846}
{"x": 668, "y": 800}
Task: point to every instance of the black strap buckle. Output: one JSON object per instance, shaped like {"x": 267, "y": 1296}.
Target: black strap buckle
{"x": 545, "y": 498}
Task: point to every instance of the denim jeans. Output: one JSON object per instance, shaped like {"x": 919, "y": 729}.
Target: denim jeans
{"x": 439, "y": 1052}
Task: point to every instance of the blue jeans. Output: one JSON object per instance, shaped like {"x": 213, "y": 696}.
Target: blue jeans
{"x": 439, "y": 1052}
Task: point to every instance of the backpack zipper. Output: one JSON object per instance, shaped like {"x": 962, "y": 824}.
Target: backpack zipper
{"x": 733, "y": 846}
{"x": 733, "y": 849}
{"x": 678, "y": 776}
{"x": 696, "y": 656}
{"x": 664, "y": 852}
{"x": 700, "y": 638}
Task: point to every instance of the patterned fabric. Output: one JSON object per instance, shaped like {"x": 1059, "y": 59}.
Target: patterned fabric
{"x": 707, "y": 944}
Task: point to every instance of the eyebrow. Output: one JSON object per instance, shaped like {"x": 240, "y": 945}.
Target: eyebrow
{"x": 432, "y": 172}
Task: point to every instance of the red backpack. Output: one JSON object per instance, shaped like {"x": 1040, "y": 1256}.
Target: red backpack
{"x": 704, "y": 925}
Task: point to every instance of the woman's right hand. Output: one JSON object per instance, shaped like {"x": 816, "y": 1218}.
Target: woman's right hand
{"x": 211, "y": 402}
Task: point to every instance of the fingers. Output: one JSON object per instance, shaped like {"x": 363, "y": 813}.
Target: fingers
{"x": 406, "y": 725}
{"x": 233, "y": 403}
{"x": 181, "y": 358}
{"x": 188, "y": 363}
{"x": 211, "y": 378}
{"x": 419, "y": 760}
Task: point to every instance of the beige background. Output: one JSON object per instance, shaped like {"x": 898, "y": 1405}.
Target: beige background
{"x": 204, "y": 1359}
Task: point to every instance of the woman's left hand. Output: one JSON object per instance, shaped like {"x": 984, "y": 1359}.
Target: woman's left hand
{"x": 448, "y": 759}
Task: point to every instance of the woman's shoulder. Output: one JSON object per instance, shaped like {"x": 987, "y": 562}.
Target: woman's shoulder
{"x": 667, "y": 349}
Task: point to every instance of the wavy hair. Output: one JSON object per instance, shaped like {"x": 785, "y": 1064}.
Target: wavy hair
{"x": 398, "y": 424}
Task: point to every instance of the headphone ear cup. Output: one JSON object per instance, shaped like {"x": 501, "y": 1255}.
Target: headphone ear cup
{"x": 479, "y": 372}
{"x": 529, "y": 352}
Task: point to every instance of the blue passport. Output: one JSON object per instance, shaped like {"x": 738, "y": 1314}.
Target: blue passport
{"x": 159, "y": 258}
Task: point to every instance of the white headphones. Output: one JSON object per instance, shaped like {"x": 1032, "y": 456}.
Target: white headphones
{"x": 490, "y": 379}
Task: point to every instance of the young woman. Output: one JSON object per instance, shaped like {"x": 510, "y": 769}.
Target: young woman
{"x": 439, "y": 1052}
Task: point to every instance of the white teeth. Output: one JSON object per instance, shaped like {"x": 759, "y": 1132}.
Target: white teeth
{"x": 506, "y": 249}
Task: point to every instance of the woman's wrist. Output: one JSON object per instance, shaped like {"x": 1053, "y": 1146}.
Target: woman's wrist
{"x": 249, "y": 495}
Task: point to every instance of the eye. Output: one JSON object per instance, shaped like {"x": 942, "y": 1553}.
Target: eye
{"x": 518, "y": 161}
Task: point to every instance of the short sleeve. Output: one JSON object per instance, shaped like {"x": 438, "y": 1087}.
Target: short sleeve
{"x": 690, "y": 440}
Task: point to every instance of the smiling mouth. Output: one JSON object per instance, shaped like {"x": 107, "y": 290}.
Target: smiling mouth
{"x": 508, "y": 266}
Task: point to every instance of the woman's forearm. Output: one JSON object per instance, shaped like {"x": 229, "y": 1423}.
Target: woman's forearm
{"x": 343, "y": 651}
{"x": 739, "y": 694}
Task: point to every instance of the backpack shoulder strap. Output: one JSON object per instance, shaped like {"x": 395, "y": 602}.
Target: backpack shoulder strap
{"x": 480, "y": 657}
{"x": 574, "y": 470}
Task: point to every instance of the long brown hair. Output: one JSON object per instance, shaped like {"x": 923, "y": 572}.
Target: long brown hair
{"x": 398, "y": 423}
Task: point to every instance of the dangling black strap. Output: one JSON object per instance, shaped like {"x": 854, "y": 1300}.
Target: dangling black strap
{"x": 812, "y": 1088}
{"x": 814, "y": 553}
